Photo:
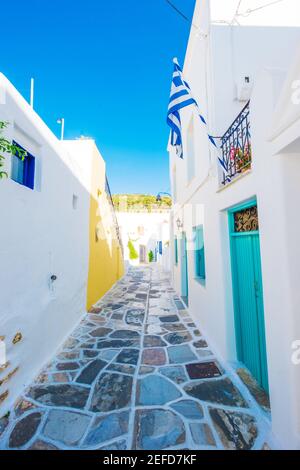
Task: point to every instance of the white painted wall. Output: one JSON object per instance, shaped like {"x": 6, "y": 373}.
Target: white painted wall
{"x": 41, "y": 234}
{"x": 155, "y": 227}
{"x": 256, "y": 12}
{"x": 213, "y": 67}
{"x": 285, "y": 129}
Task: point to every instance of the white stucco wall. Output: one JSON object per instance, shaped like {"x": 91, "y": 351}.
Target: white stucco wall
{"x": 41, "y": 234}
{"x": 250, "y": 12}
{"x": 213, "y": 67}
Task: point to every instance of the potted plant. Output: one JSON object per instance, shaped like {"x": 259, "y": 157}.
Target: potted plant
{"x": 240, "y": 159}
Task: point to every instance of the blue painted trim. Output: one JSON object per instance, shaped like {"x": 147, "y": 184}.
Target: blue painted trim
{"x": 237, "y": 320}
{"x": 28, "y": 168}
{"x": 184, "y": 267}
{"x": 244, "y": 205}
{"x": 199, "y": 264}
{"x": 242, "y": 234}
{"x": 176, "y": 250}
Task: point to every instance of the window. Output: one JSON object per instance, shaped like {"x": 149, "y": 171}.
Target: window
{"x": 75, "y": 201}
{"x": 199, "y": 253}
{"x": 176, "y": 250}
{"x": 22, "y": 172}
{"x": 246, "y": 220}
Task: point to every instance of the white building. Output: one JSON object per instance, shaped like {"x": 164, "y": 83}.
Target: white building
{"x": 49, "y": 214}
{"x": 235, "y": 244}
{"x": 148, "y": 232}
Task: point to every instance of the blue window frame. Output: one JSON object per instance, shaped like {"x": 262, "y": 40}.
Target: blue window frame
{"x": 160, "y": 247}
{"x": 199, "y": 253}
{"x": 22, "y": 171}
{"x": 176, "y": 250}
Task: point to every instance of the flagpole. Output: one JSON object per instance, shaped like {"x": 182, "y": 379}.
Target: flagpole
{"x": 31, "y": 92}
{"x": 61, "y": 121}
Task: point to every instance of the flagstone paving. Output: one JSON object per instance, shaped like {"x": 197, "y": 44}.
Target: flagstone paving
{"x": 135, "y": 374}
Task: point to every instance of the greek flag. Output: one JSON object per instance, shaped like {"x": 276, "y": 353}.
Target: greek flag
{"x": 181, "y": 97}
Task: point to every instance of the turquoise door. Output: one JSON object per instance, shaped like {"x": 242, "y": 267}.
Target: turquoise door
{"x": 184, "y": 269}
{"x": 248, "y": 291}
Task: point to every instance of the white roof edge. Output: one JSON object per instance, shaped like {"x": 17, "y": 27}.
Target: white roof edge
{"x": 25, "y": 108}
{"x": 60, "y": 146}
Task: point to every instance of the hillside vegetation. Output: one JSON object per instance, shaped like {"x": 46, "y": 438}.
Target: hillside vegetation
{"x": 140, "y": 202}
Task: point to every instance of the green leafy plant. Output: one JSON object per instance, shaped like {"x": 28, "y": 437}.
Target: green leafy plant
{"x": 150, "y": 256}
{"x": 132, "y": 251}
{"x": 8, "y": 147}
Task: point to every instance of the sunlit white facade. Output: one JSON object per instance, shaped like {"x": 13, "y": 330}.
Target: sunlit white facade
{"x": 240, "y": 278}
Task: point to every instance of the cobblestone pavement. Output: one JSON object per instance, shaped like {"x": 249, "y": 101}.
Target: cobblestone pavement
{"x": 135, "y": 374}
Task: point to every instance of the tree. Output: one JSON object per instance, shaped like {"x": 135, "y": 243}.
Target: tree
{"x": 150, "y": 256}
{"x": 8, "y": 147}
{"x": 132, "y": 251}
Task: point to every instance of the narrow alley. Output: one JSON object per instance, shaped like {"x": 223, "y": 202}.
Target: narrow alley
{"x": 135, "y": 374}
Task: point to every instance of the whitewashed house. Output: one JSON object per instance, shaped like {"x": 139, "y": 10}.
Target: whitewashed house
{"x": 52, "y": 266}
{"x": 235, "y": 235}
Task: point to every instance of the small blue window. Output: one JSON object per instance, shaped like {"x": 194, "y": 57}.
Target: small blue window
{"x": 22, "y": 171}
{"x": 199, "y": 253}
{"x": 160, "y": 248}
{"x": 176, "y": 250}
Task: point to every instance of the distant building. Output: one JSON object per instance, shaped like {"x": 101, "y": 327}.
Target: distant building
{"x": 235, "y": 233}
{"x": 59, "y": 244}
{"x": 144, "y": 230}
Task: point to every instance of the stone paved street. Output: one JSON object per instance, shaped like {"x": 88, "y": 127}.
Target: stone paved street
{"x": 135, "y": 374}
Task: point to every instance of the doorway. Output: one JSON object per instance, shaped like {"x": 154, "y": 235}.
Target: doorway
{"x": 142, "y": 254}
{"x": 184, "y": 270}
{"x": 248, "y": 290}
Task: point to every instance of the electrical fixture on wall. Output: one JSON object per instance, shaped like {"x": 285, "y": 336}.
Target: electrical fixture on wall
{"x": 52, "y": 280}
{"x": 75, "y": 201}
{"x": 244, "y": 88}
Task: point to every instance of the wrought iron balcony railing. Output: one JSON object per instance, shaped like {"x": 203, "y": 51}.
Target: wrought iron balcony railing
{"x": 236, "y": 147}
{"x": 116, "y": 225}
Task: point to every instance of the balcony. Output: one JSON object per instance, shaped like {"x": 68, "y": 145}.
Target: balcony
{"x": 115, "y": 220}
{"x": 236, "y": 147}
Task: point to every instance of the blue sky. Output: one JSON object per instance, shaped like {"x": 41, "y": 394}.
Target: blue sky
{"x": 105, "y": 66}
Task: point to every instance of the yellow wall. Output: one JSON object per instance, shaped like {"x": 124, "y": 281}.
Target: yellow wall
{"x": 106, "y": 264}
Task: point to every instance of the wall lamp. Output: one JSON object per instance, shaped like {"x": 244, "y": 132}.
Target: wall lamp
{"x": 159, "y": 198}
{"x": 179, "y": 224}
